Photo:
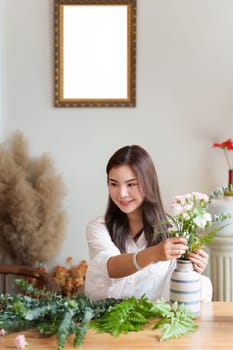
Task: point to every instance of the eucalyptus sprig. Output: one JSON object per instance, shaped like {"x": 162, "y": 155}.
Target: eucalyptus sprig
{"x": 220, "y": 191}
{"x": 50, "y": 313}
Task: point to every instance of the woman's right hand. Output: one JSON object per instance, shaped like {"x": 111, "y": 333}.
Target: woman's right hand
{"x": 170, "y": 248}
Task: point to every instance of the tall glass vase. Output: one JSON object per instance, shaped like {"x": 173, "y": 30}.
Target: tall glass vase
{"x": 185, "y": 286}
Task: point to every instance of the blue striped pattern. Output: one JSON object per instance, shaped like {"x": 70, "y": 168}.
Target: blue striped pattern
{"x": 183, "y": 271}
{"x": 184, "y": 281}
{"x": 185, "y": 286}
{"x": 186, "y": 302}
{"x": 185, "y": 291}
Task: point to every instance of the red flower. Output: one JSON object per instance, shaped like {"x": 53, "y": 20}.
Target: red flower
{"x": 228, "y": 144}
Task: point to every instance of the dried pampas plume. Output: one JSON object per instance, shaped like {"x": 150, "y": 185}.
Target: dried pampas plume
{"x": 32, "y": 217}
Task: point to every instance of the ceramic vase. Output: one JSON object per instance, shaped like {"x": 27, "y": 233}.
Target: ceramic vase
{"x": 224, "y": 204}
{"x": 185, "y": 286}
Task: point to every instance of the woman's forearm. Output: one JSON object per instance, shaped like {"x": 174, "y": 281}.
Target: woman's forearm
{"x": 123, "y": 265}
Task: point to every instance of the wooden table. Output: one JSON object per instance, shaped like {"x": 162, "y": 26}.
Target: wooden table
{"x": 215, "y": 332}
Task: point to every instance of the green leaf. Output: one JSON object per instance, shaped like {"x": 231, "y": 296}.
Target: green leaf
{"x": 177, "y": 322}
{"x": 177, "y": 328}
{"x": 48, "y": 329}
{"x": 63, "y": 330}
{"x": 124, "y": 317}
{"x": 83, "y": 327}
{"x": 161, "y": 308}
{"x": 37, "y": 313}
{"x": 62, "y": 316}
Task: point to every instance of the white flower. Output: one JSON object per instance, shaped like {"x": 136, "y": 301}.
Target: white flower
{"x": 187, "y": 207}
{"x": 190, "y": 219}
{"x": 188, "y": 197}
{"x": 177, "y": 209}
{"x": 207, "y": 217}
{"x": 200, "y": 222}
{"x": 200, "y": 196}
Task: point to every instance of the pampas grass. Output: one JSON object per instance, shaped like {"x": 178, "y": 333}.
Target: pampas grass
{"x": 32, "y": 217}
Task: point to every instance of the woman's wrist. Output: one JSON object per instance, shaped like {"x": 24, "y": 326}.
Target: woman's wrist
{"x": 135, "y": 263}
{"x": 143, "y": 258}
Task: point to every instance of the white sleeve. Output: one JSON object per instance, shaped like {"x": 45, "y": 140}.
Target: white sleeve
{"x": 98, "y": 283}
{"x": 99, "y": 240}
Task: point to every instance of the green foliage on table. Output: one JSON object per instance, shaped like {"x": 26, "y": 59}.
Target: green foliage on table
{"x": 53, "y": 314}
{"x": 176, "y": 320}
{"x": 50, "y": 313}
{"x": 131, "y": 314}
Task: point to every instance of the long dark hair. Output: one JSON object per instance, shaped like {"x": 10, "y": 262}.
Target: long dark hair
{"x": 154, "y": 217}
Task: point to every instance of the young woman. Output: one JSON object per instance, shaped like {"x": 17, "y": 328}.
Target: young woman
{"x": 130, "y": 251}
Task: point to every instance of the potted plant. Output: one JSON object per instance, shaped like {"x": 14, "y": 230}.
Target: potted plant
{"x": 227, "y": 146}
{"x": 221, "y": 199}
{"x": 191, "y": 219}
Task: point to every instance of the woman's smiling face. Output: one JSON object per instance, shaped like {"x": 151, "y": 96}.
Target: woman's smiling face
{"x": 124, "y": 188}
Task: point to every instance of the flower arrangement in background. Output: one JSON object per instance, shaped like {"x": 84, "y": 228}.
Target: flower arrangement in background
{"x": 191, "y": 220}
{"x": 226, "y": 146}
{"x": 71, "y": 278}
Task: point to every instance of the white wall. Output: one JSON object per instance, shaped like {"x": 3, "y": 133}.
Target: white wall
{"x": 2, "y": 69}
{"x": 184, "y": 103}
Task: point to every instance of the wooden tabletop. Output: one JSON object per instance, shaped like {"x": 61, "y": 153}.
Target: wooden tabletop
{"x": 215, "y": 332}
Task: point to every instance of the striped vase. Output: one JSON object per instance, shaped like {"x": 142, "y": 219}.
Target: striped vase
{"x": 185, "y": 287}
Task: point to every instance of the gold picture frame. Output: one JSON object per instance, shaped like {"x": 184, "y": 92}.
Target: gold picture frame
{"x": 94, "y": 53}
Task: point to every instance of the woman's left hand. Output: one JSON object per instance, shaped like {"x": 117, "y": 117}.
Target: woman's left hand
{"x": 199, "y": 258}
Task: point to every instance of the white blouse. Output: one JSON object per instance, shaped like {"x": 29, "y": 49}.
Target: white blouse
{"x": 153, "y": 280}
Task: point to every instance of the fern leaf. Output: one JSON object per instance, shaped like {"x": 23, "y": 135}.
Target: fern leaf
{"x": 177, "y": 329}
{"x": 137, "y": 317}
{"x": 161, "y": 308}
{"x": 176, "y": 322}
{"x": 124, "y": 317}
